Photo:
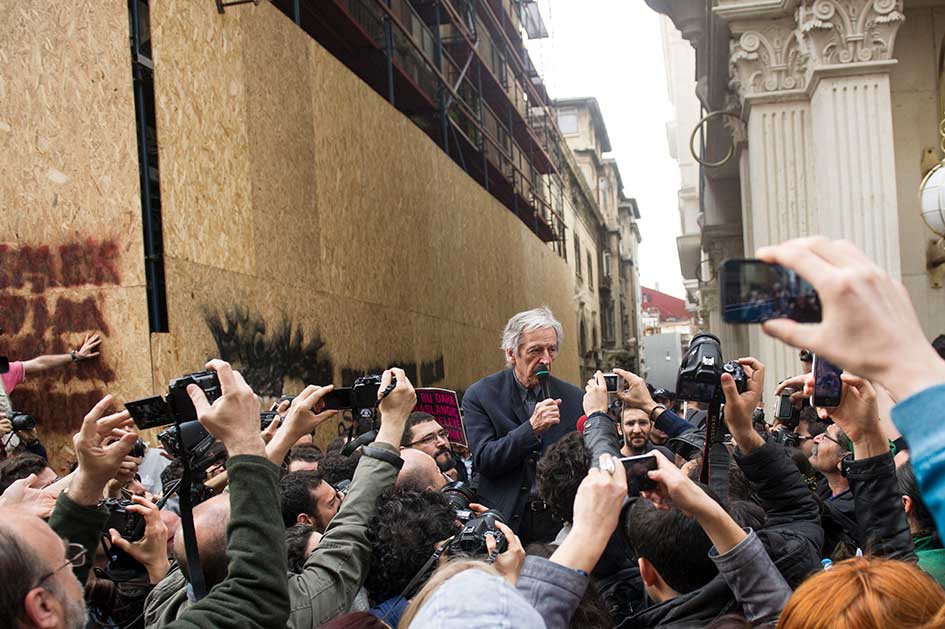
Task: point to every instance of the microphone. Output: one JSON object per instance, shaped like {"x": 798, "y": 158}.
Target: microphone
{"x": 543, "y": 373}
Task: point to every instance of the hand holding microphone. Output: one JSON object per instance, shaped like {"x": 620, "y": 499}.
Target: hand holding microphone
{"x": 546, "y": 412}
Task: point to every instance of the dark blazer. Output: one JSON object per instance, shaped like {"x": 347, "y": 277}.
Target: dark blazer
{"x": 501, "y": 438}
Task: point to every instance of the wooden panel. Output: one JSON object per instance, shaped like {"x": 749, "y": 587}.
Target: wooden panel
{"x": 71, "y": 253}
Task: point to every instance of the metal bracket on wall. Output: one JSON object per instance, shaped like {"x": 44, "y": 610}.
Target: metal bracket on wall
{"x": 221, "y": 6}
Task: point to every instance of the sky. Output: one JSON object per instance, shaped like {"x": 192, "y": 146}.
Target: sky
{"x": 612, "y": 50}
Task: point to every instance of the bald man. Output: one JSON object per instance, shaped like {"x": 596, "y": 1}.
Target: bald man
{"x": 420, "y": 472}
{"x": 38, "y": 575}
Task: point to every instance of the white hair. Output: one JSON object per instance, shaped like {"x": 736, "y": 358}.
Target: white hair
{"x": 534, "y": 319}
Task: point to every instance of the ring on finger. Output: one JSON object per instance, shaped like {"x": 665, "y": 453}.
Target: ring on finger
{"x": 607, "y": 465}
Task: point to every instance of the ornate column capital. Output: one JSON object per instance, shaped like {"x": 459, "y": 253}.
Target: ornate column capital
{"x": 846, "y": 32}
{"x": 766, "y": 59}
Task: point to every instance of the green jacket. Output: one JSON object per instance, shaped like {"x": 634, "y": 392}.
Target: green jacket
{"x": 334, "y": 572}
{"x": 79, "y": 525}
{"x": 254, "y": 591}
{"x": 931, "y": 558}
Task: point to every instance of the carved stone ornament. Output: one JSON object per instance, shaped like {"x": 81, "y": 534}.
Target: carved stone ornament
{"x": 836, "y": 32}
{"x": 767, "y": 60}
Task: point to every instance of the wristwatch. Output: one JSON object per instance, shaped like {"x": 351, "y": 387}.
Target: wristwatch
{"x": 73, "y": 356}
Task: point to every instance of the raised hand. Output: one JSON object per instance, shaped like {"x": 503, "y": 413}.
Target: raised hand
{"x": 22, "y": 496}
{"x": 869, "y": 326}
{"x": 636, "y": 395}
{"x": 89, "y": 347}
{"x": 595, "y": 395}
{"x": 100, "y": 447}
{"x": 740, "y": 406}
{"x": 234, "y": 417}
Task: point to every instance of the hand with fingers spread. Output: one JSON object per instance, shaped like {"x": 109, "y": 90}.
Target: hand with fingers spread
{"x": 636, "y": 395}
{"x": 869, "y": 326}
{"x": 509, "y": 563}
{"x": 89, "y": 347}
{"x": 101, "y": 446}
{"x": 395, "y": 407}
{"x": 234, "y": 417}
{"x": 595, "y": 395}
{"x": 151, "y": 549}
{"x": 740, "y": 406}
{"x": 22, "y": 496}
{"x": 596, "y": 512}
{"x": 302, "y": 419}
{"x": 675, "y": 489}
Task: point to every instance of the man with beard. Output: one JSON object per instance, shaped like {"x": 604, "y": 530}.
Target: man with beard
{"x": 424, "y": 433}
{"x": 636, "y": 429}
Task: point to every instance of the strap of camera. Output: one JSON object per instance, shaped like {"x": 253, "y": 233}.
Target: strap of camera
{"x": 197, "y": 582}
{"x": 715, "y": 457}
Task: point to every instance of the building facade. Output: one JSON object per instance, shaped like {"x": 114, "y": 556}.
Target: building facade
{"x": 823, "y": 118}
{"x": 604, "y": 240}
{"x": 228, "y": 187}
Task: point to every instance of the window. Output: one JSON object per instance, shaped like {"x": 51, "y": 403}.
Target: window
{"x": 577, "y": 257}
{"x": 590, "y": 270}
{"x": 606, "y": 261}
{"x": 568, "y": 123}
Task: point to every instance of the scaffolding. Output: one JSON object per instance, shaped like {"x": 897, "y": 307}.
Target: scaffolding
{"x": 460, "y": 71}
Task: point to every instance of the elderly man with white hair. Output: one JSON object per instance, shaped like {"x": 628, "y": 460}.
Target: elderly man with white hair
{"x": 510, "y": 423}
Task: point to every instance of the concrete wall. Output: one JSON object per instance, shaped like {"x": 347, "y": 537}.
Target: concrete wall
{"x": 917, "y": 112}
{"x": 311, "y": 231}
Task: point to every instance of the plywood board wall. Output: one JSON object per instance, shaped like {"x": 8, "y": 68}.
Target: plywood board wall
{"x": 71, "y": 253}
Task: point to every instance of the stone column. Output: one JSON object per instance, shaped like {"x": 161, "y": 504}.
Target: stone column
{"x": 850, "y": 47}
{"x": 814, "y": 89}
{"x": 768, "y": 71}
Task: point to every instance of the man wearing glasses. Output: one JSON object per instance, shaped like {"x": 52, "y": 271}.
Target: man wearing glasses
{"x": 834, "y": 489}
{"x": 424, "y": 433}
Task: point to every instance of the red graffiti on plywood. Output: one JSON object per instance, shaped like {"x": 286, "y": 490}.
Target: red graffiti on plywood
{"x": 44, "y": 310}
{"x": 69, "y": 265}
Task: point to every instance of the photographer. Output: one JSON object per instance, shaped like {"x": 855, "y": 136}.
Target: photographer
{"x": 28, "y": 437}
{"x": 337, "y": 568}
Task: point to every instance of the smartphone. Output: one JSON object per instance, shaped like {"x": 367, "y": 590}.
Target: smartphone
{"x": 753, "y": 291}
{"x": 827, "y": 384}
{"x": 637, "y": 468}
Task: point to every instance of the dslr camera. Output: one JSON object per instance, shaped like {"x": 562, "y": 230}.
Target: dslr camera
{"x": 700, "y": 375}
{"x": 22, "y": 421}
{"x": 472, "y": 538}
{"x": 121, "y": 566}
{"x": 156, "y": 411}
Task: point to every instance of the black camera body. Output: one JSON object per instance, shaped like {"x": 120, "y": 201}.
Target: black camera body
{"x": 787, "y": 414}
{"x": 138, "y": 449}
{"x": 266, "y": 418}
{"x": 700, "y": 374}
{"x": 22, "y": 421}
{"x": 156, "y": 411}
{"x": 128, "y": 524}
{"x": 193, "y": 443}
{"x": 472, "y": 539}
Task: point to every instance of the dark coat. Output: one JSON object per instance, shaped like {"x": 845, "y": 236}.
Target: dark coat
{"x": 501, "y": 438}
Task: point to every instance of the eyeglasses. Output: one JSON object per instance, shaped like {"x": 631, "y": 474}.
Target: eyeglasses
{"x": 75, "y": 557}
{"x": 429, "y": 439}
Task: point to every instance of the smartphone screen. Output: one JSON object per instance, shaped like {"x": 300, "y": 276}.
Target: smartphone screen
{"x": 612, "y": 381}
{"x": 637, "y": 468}
{"x": 827, "y": 383}
{"x": 754, "y": 291}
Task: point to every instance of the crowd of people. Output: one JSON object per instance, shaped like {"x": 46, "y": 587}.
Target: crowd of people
{"x": 546, "y": 521}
